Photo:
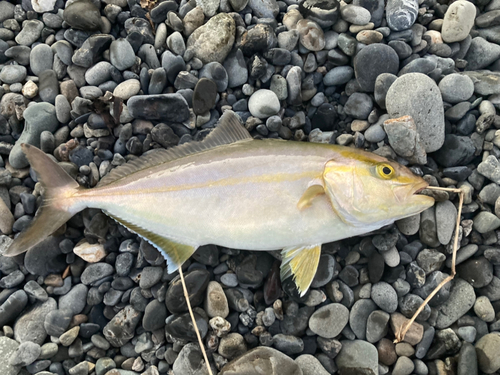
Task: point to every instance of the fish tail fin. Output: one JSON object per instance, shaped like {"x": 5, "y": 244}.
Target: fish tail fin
{"x": 55, "y": 209}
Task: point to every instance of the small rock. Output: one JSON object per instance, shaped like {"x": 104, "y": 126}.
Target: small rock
{"x": 401, "y": 14}
{"x": 456, "y": 88}
{"x": 357, "y": 357}
{"x": 261, "y": 360}
{"x": 165, "y": 107}
{"x": 487, "y": 349}
{"x": 121, "y": 328}
{"x": 423, "y": 103}
{"x": 321, "y": 323}
{"x": 462, "y": 298}
{"x": 310, "y": 365}
{"x": 311, "y": 36}
{"x": 263, "y": 104}
{"x": 384, "y": 296}
{"x": 458, "y": 21}
{"x": 83, "y": 15}
{"x": 216, "y": 302}
{"x": 91, "y": 253}
{"x": 214, "y": 40}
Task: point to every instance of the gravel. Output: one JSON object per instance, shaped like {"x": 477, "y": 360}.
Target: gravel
{"x": 98, "y": 83}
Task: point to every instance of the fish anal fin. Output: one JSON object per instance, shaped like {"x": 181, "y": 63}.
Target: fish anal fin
{"x": 301, "y": 262}
{"x": 175, "y": 253}
{"x": 312, "y": 192}
{"x": 229, "y": 130}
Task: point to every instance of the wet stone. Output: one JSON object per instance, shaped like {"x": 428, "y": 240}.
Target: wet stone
{"x": 320, "y": 322}
{"x": 358, "y": 356}
{"x": 462, "y": 298}
{"x": 121, "y": 328}
{"x": 358, "y": 316}
{"x": 477, "y": 271}
{"x": 196, "y": 284}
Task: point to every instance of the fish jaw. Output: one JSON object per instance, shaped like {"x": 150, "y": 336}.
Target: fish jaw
{"x": 413, "y": 202}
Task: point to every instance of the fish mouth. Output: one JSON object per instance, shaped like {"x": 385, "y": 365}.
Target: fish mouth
{"x": 420, "y": 187}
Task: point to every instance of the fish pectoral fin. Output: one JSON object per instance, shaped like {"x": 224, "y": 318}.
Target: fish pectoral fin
{"x": 175, "y": 253}
{"x": 301, "y": 262}
{"x": 311, "y": 192}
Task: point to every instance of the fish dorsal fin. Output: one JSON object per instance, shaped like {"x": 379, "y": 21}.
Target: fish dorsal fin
{"x": 175, "y": 253}
{"x": 301, "y": 262}
{"x": 229, "y": 130}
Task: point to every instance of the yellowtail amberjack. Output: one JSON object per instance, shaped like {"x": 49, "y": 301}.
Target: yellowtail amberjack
{"x": 233, "y": 191}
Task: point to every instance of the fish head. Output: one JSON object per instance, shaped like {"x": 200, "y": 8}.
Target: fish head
{"x": 365, "y": 188}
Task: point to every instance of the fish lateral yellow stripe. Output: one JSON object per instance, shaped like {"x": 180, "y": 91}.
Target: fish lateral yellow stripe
{"x": 266, "y": 178}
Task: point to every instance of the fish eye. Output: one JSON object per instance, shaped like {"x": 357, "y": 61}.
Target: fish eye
{"x": 385, "y": 171}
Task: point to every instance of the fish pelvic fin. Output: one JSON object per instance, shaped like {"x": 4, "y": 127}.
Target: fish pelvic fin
{"x": 55, "y": 209}
{"x": 301, "y": 262}
{"x": 175, "y": 253}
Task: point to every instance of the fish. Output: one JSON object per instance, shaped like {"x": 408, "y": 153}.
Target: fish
{"x": 237, "y": 192}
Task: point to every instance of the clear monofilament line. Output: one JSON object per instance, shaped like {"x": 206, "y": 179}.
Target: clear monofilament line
{"x": 404, "y": 329}
{"x": 195, "y": 326}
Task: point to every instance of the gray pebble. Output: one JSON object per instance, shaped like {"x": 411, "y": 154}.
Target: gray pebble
{"x": 13, "y": 73}
{"x": 41, "y": 58}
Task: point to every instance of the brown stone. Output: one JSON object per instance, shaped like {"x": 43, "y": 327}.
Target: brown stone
{"x": 414, "y": 334}
{"x": 386, "y": 352}
{"x": 69, "y": 90}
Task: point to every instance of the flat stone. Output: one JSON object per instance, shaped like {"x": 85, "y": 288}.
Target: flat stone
{"x": 487, "y": 349}
{"x": 462, "y": 298}
{"x": 214, "y": 40}
{"x": 458, "y": 21}
{"x": 204, "y": 95}
{"x": 262, "y": 360}
{"x": 165, "y": 107}
{"x": 12, "y": 307}
{"x": 372, "y": 61}
{"x": 357, "y": 357}
{"x": 418, "y": 96}
{"x": 322, "y": 323}
{"x": 401, "y": 14}
{"x": 29, "y": 326}
{"x": 263, "y": 104}
{"x": 83, "y": 15}
{"x": 7, "y": 348}
{"x": 481, "y": 54}
{"x": 121, "y": 328}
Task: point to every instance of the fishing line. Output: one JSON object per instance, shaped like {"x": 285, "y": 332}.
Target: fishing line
{"x": 200, "y": 341}
{"x": 400, "y": 335}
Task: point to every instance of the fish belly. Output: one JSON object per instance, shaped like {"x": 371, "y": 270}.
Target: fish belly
{"x": 237, "y": 198}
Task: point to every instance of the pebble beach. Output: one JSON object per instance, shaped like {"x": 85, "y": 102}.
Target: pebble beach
{"x": 97, "y": 83}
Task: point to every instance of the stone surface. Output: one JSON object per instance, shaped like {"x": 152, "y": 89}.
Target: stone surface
{"x": 458, "y": 21}
{"x": 321, "y": 321}
{"x": 263, "y": 104}
{"x": 167, "y": 107}
{"x": 262, "y": 360}
{"x": 462, "y": 298}
{"x": 418, "y": 96}
{"x": 8, "y": 347}
{"x": 487, "y": 349}
{"x": 357, "y": 357}
{"x": 371, "y": 62}
{"x": 213, "y": 41}
{"x": 29, "y": 326}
